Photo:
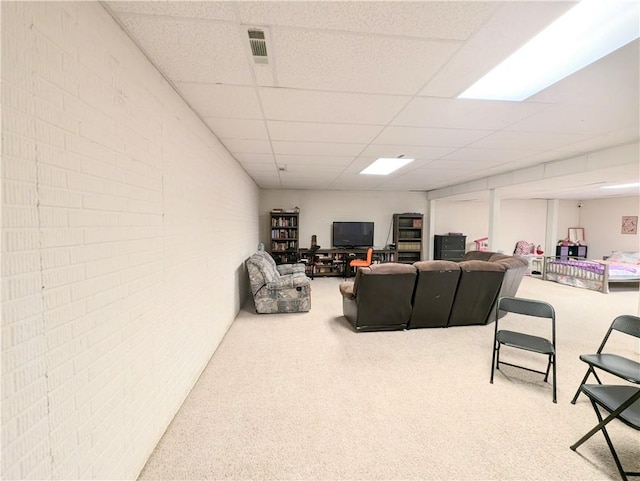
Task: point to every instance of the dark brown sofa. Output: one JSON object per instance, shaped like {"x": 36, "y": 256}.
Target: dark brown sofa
{"x": 443, "y": 293}
{"x": 477, "y": 292}
{"x": 435, "y": 290}
{"x": 515, "y": 269}
{"x": 379, "y": 299}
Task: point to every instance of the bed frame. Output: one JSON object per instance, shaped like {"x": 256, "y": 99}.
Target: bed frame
{"x": 580, "y": 273}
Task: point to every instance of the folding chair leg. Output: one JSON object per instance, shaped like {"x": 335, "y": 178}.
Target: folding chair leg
{"x": 589, "y": 371}
{"x": 496, "y": 352}
{"x": 546, "y": 374}
{"x": 610, "y": 444}
{"x": 554, "y": 380}
{"x": 603, "y": 422}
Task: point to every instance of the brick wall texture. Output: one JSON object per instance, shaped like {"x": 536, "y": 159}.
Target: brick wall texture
{"x": 125, "y": 226}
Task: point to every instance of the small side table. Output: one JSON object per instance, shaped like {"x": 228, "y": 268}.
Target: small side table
{"x": 536, "y": 264}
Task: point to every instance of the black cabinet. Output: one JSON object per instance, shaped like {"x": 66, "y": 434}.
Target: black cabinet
{"x": 571, "y": 251}
{"x": 449, "y": 247}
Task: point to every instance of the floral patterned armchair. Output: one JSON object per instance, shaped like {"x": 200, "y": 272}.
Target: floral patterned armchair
{"x": 278, "y": 288}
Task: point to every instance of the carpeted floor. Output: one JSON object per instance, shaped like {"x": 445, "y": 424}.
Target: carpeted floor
{"x": 304, "y": 397}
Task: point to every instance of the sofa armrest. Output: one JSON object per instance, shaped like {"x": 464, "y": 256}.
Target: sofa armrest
{"x": 288, "y": 282}
{"x": 284, "y": 269}
{"x": 346, "y": 289}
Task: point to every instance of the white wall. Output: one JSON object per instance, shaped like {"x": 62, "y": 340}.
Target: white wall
{"x": 318, "y": 209}
{"x": 526, "y": 220}
{"x": 125, "y": 226}
{"x": 602, "y": 222}
{"x": 518, "y": 220}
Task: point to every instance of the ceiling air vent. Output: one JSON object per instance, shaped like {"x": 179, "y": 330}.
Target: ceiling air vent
{"x": 258, "y": 45}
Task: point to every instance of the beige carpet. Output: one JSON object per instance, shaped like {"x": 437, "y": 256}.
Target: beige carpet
{"x": 304, "y": 397}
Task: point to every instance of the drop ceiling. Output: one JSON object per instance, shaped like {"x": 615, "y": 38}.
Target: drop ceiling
{"x": 347, "y": 82}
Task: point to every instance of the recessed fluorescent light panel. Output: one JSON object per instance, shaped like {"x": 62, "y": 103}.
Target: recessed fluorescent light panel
{"x": 586, "y": 33}
{"x": 384, "y": 166}
{"x": 621, "y": 186}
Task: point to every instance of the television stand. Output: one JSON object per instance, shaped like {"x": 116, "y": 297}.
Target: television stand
{"x": 334, "y": 262}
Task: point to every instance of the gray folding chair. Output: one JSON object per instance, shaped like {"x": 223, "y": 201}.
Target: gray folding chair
{"x": 612, "y": 363}
{"x": 623, "y": 403}
{"x": 523, "y": 340}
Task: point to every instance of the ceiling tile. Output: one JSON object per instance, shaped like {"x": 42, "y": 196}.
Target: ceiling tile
{"x": 488, "y": 155}
{"x": 247, "y": 146}
{"x": 260, "y": 167}
{"x": 322, "y": 132}
{"x": 254, "y": 157}
{"x": 319, "y": 106}
{"x": 599, "y": 142}
{"x": 430, "y": 136}
{"x": 443, "y": 20}
{"x": 449, "y": 164}
{"x": 527, "y": 140}
{"x": 186, "y": 50}
{"x": 314, "y": 159}
{"x": 221, "y": 100}
{"x": 355, "y": 181}
{"x": 316, "y": 148}
{"x": 347, "y": 82}
{"x": 308, "y": 60}
{"x": 510, "y": 27}
{"x": 597, "y": 84}
{"x": 578, "y": 119}
{"x": 412, "y": 151}
{"x": 195, "y": 10}
{"x": 464, "y": 113}
{"x": 226, "y": 128}
{"x": 324, "y": 171}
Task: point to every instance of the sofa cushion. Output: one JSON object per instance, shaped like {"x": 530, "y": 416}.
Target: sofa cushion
{"x": 387, "y": 268}
{"x": 436, "y": 266}
{"x": 478, "y": 288}
{"x": 261, "y": 272}
{"x": 482, "y": 266}
{"x": 434, "y": 293}
{"x": 268, "y": 270}
{"x": 511, "y": 262}
{"x": 382, "y": 295}
{"x": 478, "y": 255}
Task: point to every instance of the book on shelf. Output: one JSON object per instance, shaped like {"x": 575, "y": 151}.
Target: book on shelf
{"x": 409, "y": 246}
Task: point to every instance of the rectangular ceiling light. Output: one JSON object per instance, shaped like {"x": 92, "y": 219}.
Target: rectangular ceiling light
{"x": 384, "y": 166}
{"x": 586, "y": 33}
{"x": 621, "y": 186}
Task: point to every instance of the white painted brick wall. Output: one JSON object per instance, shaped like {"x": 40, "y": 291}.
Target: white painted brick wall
{"x": 125, "y": 225}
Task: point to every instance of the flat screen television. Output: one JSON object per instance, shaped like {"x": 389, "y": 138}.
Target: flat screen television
{"x": 352, "y": 234}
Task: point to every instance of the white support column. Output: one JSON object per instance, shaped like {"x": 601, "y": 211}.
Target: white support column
{"x": 431, "y": 228}
{"x": 494, "y": 218}
{"x": 551, "y": 237}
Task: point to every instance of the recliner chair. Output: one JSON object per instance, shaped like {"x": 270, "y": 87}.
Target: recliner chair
{"x": 275, "y": 289}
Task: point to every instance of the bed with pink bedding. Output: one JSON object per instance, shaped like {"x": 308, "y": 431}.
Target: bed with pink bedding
{"x": 591, "y": 274}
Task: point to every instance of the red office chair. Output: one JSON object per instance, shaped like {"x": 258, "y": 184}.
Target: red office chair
{"x": 362, "y": 262}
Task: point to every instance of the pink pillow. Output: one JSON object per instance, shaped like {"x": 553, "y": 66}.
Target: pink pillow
{"x": 622, "y": 257}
